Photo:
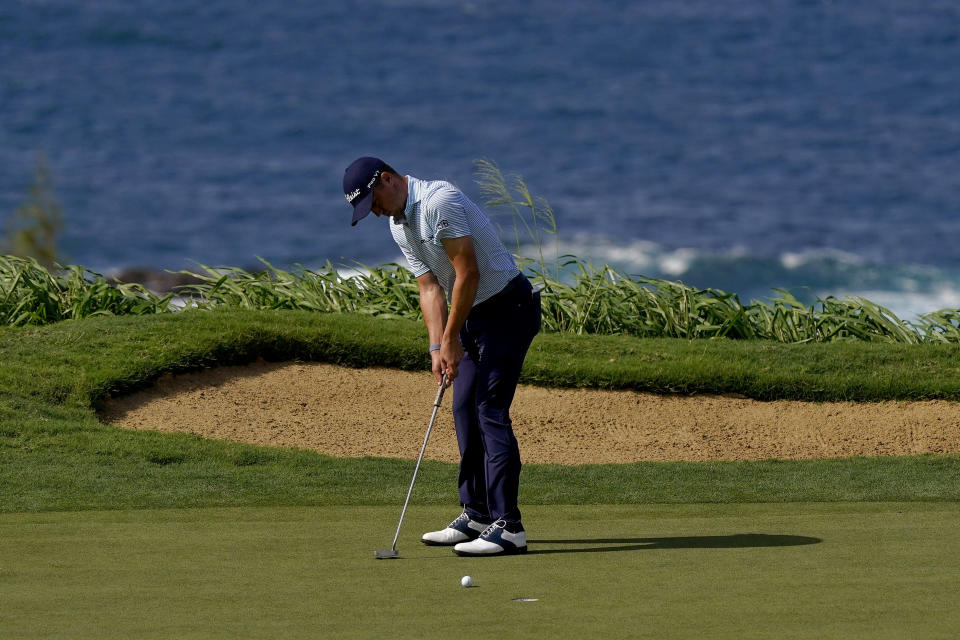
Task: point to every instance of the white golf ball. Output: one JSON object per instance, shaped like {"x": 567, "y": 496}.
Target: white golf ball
{"x": 466, "y": 581}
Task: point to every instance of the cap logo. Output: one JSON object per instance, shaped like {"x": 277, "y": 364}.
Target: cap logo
{"x": 353, "y": 195}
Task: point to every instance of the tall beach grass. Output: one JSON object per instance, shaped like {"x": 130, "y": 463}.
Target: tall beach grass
{"x": 578, "y": 297}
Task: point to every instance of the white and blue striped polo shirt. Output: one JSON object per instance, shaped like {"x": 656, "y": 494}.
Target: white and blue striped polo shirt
{"x": 437, "y": 210}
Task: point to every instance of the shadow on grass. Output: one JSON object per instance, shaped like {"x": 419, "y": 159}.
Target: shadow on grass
{"x": 737, "y": 541}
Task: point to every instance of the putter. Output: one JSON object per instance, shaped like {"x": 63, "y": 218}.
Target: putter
{"x": 392, "y": 551}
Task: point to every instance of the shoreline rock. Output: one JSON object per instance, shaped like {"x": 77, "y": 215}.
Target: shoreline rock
{"x": 155, "y": 280}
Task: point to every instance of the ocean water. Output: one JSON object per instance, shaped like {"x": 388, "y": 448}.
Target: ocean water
{"x": 811, "y": 145}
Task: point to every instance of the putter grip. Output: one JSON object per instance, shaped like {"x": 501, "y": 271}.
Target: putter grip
{"x": 443, "y": 387}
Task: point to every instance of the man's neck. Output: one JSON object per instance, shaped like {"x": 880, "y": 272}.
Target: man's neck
{"x": 402, "y": 216}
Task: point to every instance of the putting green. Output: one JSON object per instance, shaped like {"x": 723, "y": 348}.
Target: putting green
{"x": 720, "y": 571}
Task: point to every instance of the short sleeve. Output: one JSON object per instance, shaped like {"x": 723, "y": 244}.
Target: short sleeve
{"x": 451, "y": 216}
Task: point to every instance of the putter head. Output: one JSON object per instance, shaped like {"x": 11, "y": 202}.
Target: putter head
{"x": 386, "y": 553}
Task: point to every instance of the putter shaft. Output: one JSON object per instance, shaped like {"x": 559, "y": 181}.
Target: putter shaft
{"x": 433, "y": 416}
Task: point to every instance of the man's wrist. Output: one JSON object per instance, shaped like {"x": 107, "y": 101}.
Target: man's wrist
{"x": 435, "y": 347}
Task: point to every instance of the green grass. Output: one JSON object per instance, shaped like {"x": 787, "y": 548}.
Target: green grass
{"x": 109, "y": 533}
{"x": 56, "y": 455}
{"x": 79, "y": 362}
{"x": 872, "y": 571}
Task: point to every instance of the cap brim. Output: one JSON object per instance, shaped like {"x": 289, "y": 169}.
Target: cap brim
{"x": 362, "y": 209}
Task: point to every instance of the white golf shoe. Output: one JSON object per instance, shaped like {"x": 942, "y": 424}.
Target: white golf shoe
{"x": 461, "y": 529}
{"x": 494, "y": 541}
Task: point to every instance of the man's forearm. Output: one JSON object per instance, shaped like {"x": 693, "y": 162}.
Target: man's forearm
{"x": 433, "y": 305}
{"x": 464, "y": 292}
{"x": 462, "y": 256}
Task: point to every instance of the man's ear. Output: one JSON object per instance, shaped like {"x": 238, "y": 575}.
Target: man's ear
{"x": 389, "y": 178}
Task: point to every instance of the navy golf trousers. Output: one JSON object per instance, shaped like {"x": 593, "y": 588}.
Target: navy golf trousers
{"x": 495, "y": 339}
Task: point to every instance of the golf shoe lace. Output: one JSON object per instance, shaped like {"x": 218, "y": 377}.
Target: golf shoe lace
{"x": 463, "y": 517}
{"x": 499, "y": 524}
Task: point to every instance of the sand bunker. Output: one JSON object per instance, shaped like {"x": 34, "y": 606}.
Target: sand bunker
{"x": 383, "y": 412}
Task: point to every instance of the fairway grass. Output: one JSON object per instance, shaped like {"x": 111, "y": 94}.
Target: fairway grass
{"x": 799, "y": 570}
{"x": 209, "y": 539}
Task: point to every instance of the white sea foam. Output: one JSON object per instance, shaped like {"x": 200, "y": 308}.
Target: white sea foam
{"x": 904, "y": 304}
{"x": 677, "y": 263}
{"x": 797, "y": 260}
{"x": 349, "y": 272}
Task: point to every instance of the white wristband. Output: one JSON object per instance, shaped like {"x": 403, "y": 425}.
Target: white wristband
{"x": 434, "y": 347}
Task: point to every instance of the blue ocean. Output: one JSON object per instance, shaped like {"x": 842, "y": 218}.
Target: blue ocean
{"x": 810, "y": 145}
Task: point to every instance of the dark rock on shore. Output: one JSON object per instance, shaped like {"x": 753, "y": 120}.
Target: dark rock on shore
{"x": 154, "y": 279}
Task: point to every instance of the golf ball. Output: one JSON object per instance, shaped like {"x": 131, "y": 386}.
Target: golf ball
{"x": 466, "y": 581}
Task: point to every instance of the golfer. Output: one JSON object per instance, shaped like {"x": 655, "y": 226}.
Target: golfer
{"x": 481, "y": 315}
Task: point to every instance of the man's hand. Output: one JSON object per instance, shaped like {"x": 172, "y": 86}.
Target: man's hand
{"x": 450, "y": 355}
{"x": 437, "y": 366}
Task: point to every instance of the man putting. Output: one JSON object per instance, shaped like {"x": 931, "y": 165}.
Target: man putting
{"x": 479, "y": 340}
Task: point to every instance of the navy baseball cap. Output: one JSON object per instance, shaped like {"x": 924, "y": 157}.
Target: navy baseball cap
{"x": 358, "y": 182}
